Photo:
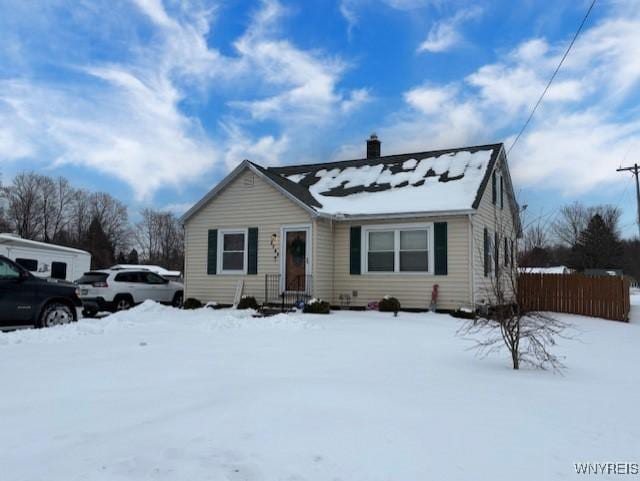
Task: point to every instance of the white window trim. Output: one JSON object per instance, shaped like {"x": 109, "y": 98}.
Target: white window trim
{"x": 221, "y": 234}
{"x": 396, "y": 262}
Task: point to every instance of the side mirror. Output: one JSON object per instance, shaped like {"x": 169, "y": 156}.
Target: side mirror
{"x": 24, "y": 275}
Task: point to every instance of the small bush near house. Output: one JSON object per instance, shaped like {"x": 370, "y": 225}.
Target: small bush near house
{"x": 464, "y": 313}
{"x": 389, "y": 304}
{"x": 248, "y": 302}
{"x": 317, "y": 306}
{"x": 192, "y": 303}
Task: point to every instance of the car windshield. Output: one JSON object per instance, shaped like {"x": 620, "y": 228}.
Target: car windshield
{"x": 91, "y": 277}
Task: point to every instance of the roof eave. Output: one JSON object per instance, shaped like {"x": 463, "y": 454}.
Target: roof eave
{"x": 403, "y": 215}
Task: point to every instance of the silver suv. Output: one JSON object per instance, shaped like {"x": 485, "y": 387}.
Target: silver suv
{"x": 119, "y": 289}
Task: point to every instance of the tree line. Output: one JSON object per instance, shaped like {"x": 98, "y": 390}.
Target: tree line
{"x": 47, "y": 209}
{"x": 581, "y": 237}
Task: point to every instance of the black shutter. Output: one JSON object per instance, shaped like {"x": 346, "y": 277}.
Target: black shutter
{"x": 355, "y": 241}
{"x": 501, "y": 192}
{"x": 212, "y": 252}
{"x": 506, "y": 252}
{"x": 496, "y": 249}
{"x": 486, "y": 252}
{"x": 512, "y": 256}
{"x": 440, "y": 248}
{"x": 252, "y": 251}
{"x": 493, "y": 188}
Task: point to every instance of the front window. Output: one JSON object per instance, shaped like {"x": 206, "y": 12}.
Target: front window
{"x": 413, "y": 251}
{"x": 398, "y": 249}
{"x": 381, "y": 256}
{"x": 233, "y": 251}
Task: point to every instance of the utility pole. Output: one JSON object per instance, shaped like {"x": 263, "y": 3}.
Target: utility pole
{"x": 635, "y": 168}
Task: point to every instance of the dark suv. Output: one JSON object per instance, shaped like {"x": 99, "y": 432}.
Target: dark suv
{"x": 26, "y": 300}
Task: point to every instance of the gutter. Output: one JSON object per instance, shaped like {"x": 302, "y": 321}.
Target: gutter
{"x": 403, "y": 215}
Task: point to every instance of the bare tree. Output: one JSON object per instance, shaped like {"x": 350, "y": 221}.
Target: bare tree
{"x": 24, "y": 205}
{"x": 536, "y": 237}
{"x": 79, "y": 216}
{"x": 160, "y": 239}
{"x": 112, "y": 216}
{"x": 62, "y": 212}
{"x": 574, "y": 218}
{"x": 528, "y": 336}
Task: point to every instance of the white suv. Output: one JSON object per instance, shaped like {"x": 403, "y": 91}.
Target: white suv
{"x": 119, "y": 289}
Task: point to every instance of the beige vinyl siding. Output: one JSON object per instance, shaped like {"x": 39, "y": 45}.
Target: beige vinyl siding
{"x": 323, "y": 259}
{"x": 248, "y": 201}
{"x": 413, "y": 290}
{"x": 494, "y": 219}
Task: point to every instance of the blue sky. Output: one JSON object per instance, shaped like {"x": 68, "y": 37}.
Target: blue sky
{"x": 155, "y": 101}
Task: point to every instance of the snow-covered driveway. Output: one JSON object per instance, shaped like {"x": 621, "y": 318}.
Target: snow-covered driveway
{"x": 160, "y": 394}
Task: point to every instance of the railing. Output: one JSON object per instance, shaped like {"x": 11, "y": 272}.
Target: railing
{"x": 299, "y": 288}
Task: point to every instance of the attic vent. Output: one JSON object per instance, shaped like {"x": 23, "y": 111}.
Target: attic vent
{"x": 249, "y": 181}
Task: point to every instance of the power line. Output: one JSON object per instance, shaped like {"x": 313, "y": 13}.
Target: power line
{"x": 635, "y": 169}
{"x": 544, "y": 92}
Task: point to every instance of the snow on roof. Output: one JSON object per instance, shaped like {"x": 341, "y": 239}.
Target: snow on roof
{"x": 428, "y": 181}
{"x": 16, "y": 240}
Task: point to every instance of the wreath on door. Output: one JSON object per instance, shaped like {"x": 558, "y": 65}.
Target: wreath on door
{"x": 298, "y": 251}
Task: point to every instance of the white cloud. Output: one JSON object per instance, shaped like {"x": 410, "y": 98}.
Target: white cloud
{"x": 266, "y": 150}
{"x": 431, "y": 100}
{"x": 348, "y": 8}
{"x": 178, "y": 208}
{"x": 307, "y": 80}
{"x": 445, "y": 34}
{"x": 574, "y": 152}
{"x": 582, "y": 129}
{"x": 126, "y": 119}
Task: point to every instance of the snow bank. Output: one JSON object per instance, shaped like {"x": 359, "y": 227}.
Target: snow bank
{"x": 153, "y": 315}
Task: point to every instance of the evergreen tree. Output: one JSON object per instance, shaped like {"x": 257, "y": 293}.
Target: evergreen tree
{"x": 98, "y": 244}
{"x": 598, "y": 246}
{"x": 133, "y": 257}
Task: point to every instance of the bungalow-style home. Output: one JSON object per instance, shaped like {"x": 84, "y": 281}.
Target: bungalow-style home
{"x": 351, "y": 232}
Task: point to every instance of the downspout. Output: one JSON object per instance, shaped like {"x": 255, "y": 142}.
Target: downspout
{"x": 184, "y": 262}
{"x": 472, "y": 264}
{"x": 333, "y": 264}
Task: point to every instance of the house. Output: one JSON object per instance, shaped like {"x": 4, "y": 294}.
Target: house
{"x": 353, "y": 231}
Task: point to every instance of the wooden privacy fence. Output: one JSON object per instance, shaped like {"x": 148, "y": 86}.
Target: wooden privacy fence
{"x": 606, "y": 297}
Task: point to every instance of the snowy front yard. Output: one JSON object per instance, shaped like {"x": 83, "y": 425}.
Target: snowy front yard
{"x": 160, "y": 394}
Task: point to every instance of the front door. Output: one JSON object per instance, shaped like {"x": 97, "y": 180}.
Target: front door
{"x": 295, "y": 261}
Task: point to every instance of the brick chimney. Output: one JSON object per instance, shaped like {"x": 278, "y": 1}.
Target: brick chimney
{"x": 373, "y": 147}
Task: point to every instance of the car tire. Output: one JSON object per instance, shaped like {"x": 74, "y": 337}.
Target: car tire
{"x": 177, "y": 299}
{"x": 122, "y": 303}
{"x": 56, "y": 314}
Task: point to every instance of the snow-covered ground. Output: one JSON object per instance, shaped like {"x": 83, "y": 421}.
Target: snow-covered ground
{"x": 160, "y": 394}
